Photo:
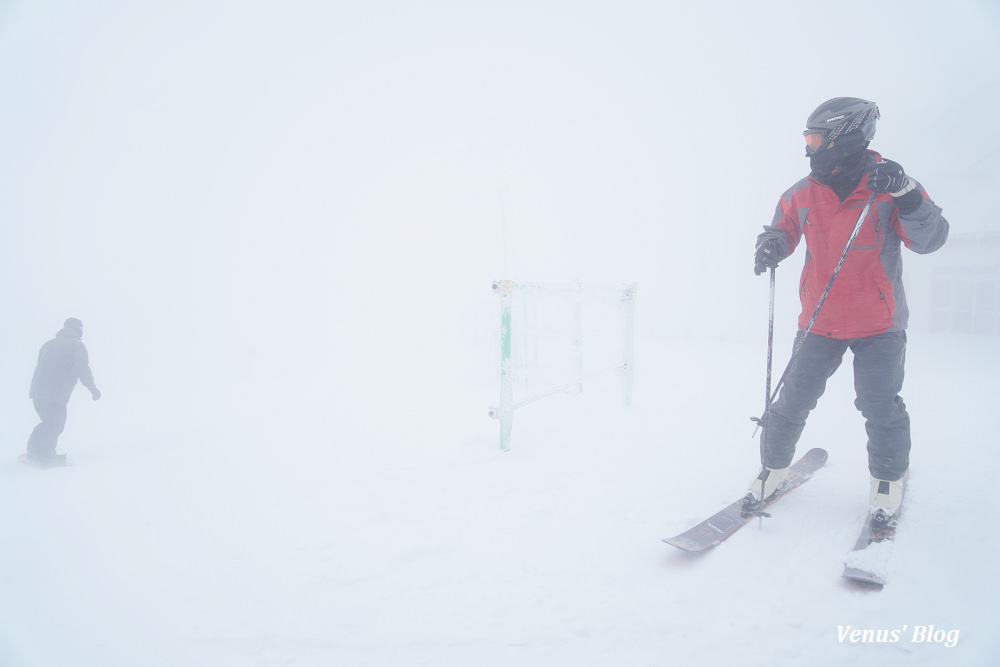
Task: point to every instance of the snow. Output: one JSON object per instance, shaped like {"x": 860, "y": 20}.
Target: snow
{"x": 280, "y": 225}
{"x": 873, "y": 559}
{"x": 437, "y": 548}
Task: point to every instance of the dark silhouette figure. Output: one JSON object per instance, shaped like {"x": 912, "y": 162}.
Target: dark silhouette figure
{"x": 61, "y": 362}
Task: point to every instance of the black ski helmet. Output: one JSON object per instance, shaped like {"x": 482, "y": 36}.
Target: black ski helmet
{"x": 841, "y": 115}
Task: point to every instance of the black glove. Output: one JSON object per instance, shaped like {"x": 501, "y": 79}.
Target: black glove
{"x": 888, "y": 177}
{"x": 771, "y": 249}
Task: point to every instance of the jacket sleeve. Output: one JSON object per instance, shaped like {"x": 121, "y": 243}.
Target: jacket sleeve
{"x": 785, "y": 226}
{"x": 81, "y": 363}
{"x": 922, "y": 228}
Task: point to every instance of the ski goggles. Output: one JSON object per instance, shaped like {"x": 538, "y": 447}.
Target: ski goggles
{"x": 815, "y": 140}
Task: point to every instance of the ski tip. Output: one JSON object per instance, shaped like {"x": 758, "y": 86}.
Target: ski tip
{"x": 866, "y": 580}
{"x": 817, "y": 453}
{"x": 689, "y": 546}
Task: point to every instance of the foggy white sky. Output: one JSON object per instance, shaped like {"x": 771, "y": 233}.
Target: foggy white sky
{"x": 328, "y": 188}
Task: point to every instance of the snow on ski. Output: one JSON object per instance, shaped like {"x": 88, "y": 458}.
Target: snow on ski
{"x": 713, "y": 530}
{"x": 868, "y": 561}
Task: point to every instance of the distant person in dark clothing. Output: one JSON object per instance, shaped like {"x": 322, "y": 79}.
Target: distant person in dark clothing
{"x": 61, "y": 362}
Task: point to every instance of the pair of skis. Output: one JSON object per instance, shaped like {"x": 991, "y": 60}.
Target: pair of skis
{"x": 865, "y": 563}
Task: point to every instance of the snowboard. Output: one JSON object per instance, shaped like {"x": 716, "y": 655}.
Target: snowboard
{"x": 58, "y": 462}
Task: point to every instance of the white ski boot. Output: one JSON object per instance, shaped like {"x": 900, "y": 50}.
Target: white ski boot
{"x": 884, "y": 501}
{"x": 765, "y": 483}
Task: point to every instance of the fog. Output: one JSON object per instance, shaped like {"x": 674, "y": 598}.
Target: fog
{"x": 283, "y": 218}
{"x": 293, "y": 183}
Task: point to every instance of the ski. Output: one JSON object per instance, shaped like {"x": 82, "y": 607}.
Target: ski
{"x": 713, "y": 530}
{"x": 867, "y": 562}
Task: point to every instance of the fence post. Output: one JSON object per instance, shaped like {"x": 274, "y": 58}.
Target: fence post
{"x": 627, "y": 308}
{"x": 506, "y": 416}
{"x": 578, "y": 333}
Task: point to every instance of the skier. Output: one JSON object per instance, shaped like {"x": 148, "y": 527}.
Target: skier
{"x": 61, "y": 362}
{"x": 865, "y": 308}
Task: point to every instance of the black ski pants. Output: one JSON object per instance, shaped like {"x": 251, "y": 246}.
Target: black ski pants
{"x": 878, "y": 379}
{"x": 43, "y": 440}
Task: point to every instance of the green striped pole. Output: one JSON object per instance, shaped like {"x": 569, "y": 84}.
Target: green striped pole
{"x": 506, "y": 415}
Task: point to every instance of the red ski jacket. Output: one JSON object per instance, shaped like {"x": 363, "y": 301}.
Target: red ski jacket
{"x": 867, "y": 296}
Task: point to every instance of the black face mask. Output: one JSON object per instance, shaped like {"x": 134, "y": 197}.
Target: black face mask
{"x": 842, "y": 165}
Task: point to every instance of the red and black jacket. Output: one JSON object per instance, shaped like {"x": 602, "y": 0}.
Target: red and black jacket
{"x": 867, "y": 297}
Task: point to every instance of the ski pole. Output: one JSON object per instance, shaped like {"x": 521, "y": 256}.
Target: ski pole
{"x": 770, "y": 348}
{"x": 762, "y": 423}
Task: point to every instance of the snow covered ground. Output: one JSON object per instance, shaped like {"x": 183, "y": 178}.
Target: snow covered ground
{"x": 279, "y": 223}
{"x": 421, "y": 543}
